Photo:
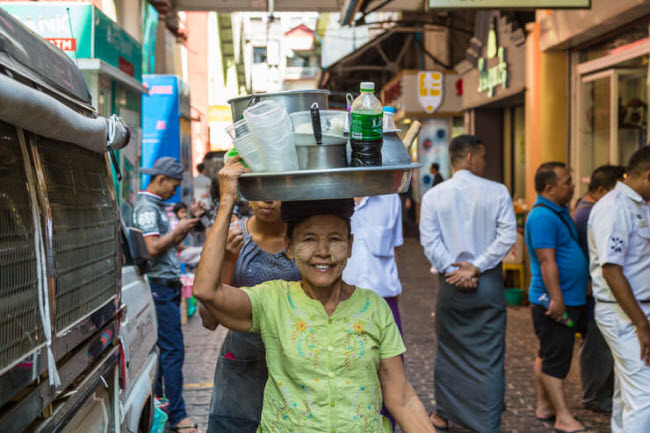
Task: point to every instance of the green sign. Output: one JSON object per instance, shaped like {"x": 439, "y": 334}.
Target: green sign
{"x": 492, "y": 77}
{"x": 83, "y": 32}
{"x": 149, "y": 29}
{"x": 497, "y": 75}
{"x": 509, "y": 4}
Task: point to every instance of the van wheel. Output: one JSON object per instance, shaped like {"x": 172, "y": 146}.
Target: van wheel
{"x": 146, "y": 417}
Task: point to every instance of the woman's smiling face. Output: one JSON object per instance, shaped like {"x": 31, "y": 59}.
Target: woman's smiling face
{"x": 321, "y": 246}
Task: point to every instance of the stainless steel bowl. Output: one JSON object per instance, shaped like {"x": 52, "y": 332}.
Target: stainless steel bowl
{"x": 326, "y": 184}
{"x": 330, "y": 154}
{"x": 322, "y": 156}
{"x": 293, "y": 100}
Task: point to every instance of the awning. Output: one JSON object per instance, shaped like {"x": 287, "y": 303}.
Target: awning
{"x": 104, "y": 68}
{"x": 379, "y": 60}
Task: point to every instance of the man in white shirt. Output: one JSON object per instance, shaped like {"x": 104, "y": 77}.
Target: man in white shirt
{"x": 377, "y": 229}
{"x": 467, "y": 226}
{"x": 619, "y": 249}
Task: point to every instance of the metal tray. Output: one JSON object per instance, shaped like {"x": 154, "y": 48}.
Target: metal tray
{"x": 326, "y": 184}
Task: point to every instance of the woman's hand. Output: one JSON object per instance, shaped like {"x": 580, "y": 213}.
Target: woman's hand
{"x": 235, "y": 241}
{"x": 229, "y": 178}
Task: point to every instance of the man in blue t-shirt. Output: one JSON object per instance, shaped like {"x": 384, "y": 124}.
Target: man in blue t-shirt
{"x": 560, "y": 272}
{"x": 596, "y": 362}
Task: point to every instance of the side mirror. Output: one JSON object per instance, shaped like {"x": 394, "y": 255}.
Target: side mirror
{"x": 136, "y": 248}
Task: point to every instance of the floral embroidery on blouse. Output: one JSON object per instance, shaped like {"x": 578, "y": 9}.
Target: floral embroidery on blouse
{"x": 302, "y": 334}
{"x": 356, "y": 340}
{"x": 323, "y": 369}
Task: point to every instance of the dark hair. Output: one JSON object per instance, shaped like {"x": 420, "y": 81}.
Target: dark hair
{"x": 210, "y": 155}
{"x": 215, "y": 192}
{"x": 463, "y": 145}
{"x": 545, "y": 175}
{"x": 179, "y": 206}
{"x": 606, "y": 176}
{"x": 435, "y": 166}
{"x": 200, "y": 167}
{"x": 296, "y": 212}
{"x": 639, "y": 161}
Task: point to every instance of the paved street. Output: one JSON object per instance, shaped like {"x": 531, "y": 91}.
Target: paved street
{"x": 417, "y": 307}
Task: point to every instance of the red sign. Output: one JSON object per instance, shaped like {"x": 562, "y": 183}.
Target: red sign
{"x": 125, "y": 66}
{"x": 65, "y": 44}
{"x": 392, "y": 93}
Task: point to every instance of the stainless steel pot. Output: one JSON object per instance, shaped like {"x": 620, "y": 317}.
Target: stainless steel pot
{"x": 293, "y": 100}
{"x": 330, "y": 154}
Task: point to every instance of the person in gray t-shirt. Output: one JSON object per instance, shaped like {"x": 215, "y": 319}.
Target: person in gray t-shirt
{"x": 150, "y": 216}
{"x": 596, "y": 362}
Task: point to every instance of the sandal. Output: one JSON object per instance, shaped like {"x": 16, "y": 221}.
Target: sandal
{"x": 182, "y": 428}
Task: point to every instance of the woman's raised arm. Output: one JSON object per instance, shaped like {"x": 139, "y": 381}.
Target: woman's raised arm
{"x": 229, "y": 305}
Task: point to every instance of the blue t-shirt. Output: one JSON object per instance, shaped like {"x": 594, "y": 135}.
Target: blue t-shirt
{"x": 544, "y": 229}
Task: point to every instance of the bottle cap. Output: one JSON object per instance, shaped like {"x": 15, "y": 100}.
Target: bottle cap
{"x": 367, "y": 86}
{"x": 388, "y": 109}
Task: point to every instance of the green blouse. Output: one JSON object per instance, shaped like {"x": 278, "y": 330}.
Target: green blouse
{"x": 323, "y": 370}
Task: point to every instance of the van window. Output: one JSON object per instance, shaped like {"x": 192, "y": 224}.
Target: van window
{"x": 84, "y": 218}
{"x": 19, "y": 315}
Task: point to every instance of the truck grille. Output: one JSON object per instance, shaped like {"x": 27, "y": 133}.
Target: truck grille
{"x": 20, "y": 325}
{"x": 84, "y": 229}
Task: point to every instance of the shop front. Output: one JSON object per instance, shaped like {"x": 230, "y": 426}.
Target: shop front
{"x": 494, "y": 82}
{"x": 609, "y": 82}
{"x": 434, "y": 98}
{"x": 111, "y": 63}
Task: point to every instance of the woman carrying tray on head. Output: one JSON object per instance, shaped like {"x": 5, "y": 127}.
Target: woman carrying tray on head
{"x": 332, "y": 349}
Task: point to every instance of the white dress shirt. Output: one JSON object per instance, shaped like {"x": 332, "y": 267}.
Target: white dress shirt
{"x": 619, "y": 233}
{"x": 467, "y": 218}
{"x": 377, "y": 229}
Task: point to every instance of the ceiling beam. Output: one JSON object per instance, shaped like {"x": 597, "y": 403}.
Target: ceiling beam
{"x": 228, "y": 6}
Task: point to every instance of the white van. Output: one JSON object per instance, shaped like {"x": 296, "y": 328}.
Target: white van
{"x": 77, "y": 320}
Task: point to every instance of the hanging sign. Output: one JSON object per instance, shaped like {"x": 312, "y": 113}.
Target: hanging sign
{"x": 494, "y": 76}
{"x": 430, "y": 90}
{"x": 509, "y": 4}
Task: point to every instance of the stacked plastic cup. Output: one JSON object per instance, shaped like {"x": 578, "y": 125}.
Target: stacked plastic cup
{"x": 271, "y": 126}
{"x": 246, "y": 146}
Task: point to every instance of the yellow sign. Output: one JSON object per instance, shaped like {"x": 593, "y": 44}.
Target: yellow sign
{"x": 430, "y": 90}
{"x": 219, "y": 113}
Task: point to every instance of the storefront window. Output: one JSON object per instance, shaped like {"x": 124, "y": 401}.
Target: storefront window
{"x": 596, "y": 125}
{"x": 613, "y": 116}
{"x": 632, "y": 112}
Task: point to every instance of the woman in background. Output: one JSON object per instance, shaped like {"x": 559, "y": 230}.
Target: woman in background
{"x": 255, "y": 253}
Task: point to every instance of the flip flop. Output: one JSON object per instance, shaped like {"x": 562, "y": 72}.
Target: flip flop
{"x": 581, "y": 430}
{"x": 550, "y": 418}
{"x": 181, "y": 428}
{"x": 435, "y": 426}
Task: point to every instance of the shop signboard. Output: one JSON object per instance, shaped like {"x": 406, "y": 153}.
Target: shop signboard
{"x": 81, "y": 31}
{"x": 496, "y": 65}
{"x": 424, "y": 93}
{"x": 165, "y": 130}
{"x": 219, "y": 116}
{"x": 430, "y": 90}
{"x": 509, "y": 4}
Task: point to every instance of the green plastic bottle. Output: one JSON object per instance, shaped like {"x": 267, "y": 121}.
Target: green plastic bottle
{"x": 366, "y": 134}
